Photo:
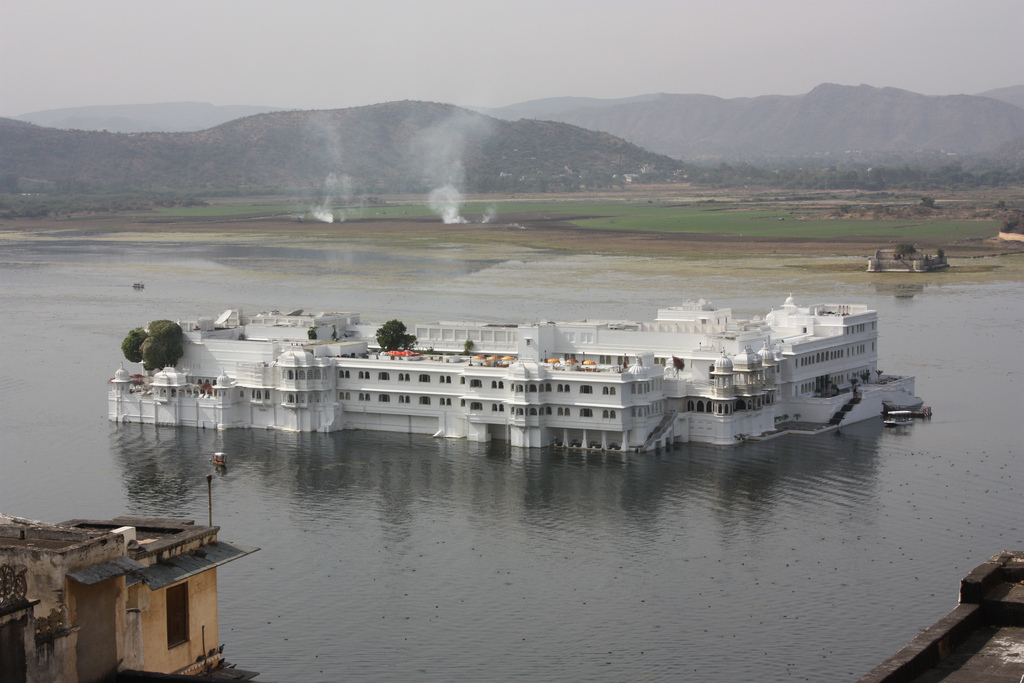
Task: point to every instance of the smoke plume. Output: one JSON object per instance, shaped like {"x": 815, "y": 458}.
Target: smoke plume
{"x": 446, "y": 202}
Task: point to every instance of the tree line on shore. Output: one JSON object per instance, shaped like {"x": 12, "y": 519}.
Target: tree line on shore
{"x": 20, "y": 198}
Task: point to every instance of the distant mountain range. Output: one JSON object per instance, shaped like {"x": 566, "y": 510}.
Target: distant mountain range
{"x": 887, "y": 123}
{"x": 556, "y": 143}
{"x": 166, "y": 117}
{"x": 399, "y": 146}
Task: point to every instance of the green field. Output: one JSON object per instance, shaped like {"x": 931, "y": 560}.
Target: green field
{"x": 727, "y": 219}
{"x": 738, "y": 220}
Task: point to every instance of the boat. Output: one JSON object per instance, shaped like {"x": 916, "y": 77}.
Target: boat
{"x": 219, "y": 459}
{"x": 899, "y": 418}
{"x": 921, "y": 411}
{"x": 139, "y": 285}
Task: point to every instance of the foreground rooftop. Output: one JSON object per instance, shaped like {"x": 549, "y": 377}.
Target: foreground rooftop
{"x": 981, "y": 640}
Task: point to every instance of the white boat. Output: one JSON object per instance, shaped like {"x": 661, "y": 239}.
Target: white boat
{"x": 219, "y": 459}
{"x": 899, "y": 418}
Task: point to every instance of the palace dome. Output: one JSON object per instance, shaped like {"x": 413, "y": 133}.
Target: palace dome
{"x": 747, "y": 359}
{"x": 766, "y": 355}
{"x": 169, "y": 377}
{"x": 295, "y": 357}
{"x": 723, "y": 364}
{"x": 121, "y": 375}
{"x": 223, "y": 380}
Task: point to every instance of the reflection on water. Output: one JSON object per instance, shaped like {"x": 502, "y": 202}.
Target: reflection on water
{"x": 603, "y": 564}
{"x": 390, "y": 557}
{"x": 899, "y": 289}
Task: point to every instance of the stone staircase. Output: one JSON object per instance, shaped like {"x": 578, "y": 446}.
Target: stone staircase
{"x": 844, "y": 411}
{"x": 659, "y": 431}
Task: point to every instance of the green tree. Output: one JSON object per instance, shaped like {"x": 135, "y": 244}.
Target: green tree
{"x": 163, "y": 347}
{"x": 904, "y": 249}
{"x": 467, "y": 348}
{"x": 131, "y": 347}
{"x": 928, "y": 202}
{"x": 391, "y": 336}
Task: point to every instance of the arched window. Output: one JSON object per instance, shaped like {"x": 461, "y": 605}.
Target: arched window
{"x": 501, "y": 385}
{"x": 533, "y": 411}
{"x": 291, "y": 398}
{"x": 494, "y": 384}
{"x": 501, "y": 409}
{"x": 494, "y": 407}
{"x": 612, "y": 414}
{"x": 533, "y": 388}
{"x": 316, "y": 373}
{"x": 560, "y": 388}
{"x": 690, "y": 406}
{"x": 302, "y": 374}
{"x": 586, "y": 412}
{"x": 604, "y": 391}
{"x": 700, "y": 406}
{"x": 604, "y": 414}
{"x": 547, "y": 387}
{"x": 462, "y": 380}
{"x": 547, "y": 410}
{"x": 291, "y": 374}
{"x": 448, "y": 379}
{"x": 462, "y": 403}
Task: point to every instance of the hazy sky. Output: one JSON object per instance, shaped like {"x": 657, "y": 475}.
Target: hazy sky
{"x": 308, "y": 54}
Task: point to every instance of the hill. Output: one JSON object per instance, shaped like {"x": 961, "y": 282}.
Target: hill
{"x": 887, "y": 124}
{"x": 399, "y": 146}
{"x": 167, "y": 117}
{"x": 1014, "y": 95}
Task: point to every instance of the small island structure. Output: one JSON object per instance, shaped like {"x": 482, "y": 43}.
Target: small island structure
{"x": 696, "y": 373}
{"x": 905, "y": 258}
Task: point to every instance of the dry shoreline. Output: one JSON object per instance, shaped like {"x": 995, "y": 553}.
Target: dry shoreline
{"x": 530, "y": 230}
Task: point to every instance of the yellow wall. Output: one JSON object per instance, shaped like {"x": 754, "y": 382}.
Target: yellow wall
{"x": 202, "y": 609}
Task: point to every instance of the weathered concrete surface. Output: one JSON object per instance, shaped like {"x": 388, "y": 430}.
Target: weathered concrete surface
{"x": 981, "y": 640}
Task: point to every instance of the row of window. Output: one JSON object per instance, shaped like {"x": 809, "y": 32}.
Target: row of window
{"x": 835, "y": 354}
{"x": 314, "y": 373}
{"x": 403, "y": 377}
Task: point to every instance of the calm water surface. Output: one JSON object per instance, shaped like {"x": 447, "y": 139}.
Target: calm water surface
{"x": 391, "y": 557}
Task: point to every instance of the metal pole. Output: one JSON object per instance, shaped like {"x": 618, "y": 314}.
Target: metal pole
{"x": 209, "y": 495}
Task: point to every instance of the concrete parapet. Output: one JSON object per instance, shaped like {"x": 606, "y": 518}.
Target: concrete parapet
{"x": 991, "y": 599}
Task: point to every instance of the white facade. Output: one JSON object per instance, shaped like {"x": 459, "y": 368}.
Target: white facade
{"x": 695, "y": 373}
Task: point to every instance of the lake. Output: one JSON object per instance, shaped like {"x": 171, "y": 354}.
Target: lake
{"x": 404, "y": 558}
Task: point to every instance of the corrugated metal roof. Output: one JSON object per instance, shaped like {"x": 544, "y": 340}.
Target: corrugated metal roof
{"x": 183, "y": 566}
{"x": 111, "y": 569}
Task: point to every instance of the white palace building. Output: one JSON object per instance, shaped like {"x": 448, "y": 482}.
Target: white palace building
{"x": 695, "y": 373}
